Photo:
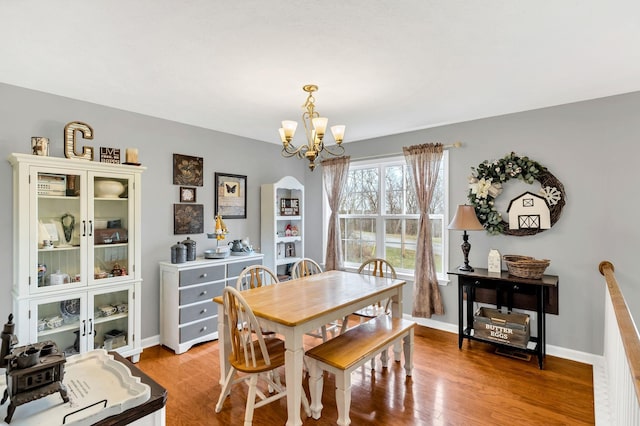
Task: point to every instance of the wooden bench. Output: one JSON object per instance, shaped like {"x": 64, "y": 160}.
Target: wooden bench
{"x": 345, "y": 353}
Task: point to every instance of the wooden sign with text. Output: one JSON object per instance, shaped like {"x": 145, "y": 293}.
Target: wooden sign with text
{"x": 110, "y": 155}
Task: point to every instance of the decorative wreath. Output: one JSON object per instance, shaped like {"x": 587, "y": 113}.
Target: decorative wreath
{"x": 485, "y": 185}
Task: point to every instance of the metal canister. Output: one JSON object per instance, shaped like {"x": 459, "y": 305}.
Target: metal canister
{"x": 178, "y": 253}
{"x": 191, "y": 249}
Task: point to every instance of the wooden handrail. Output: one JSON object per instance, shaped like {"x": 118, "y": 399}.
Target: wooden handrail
{"x": 628, "y": 331}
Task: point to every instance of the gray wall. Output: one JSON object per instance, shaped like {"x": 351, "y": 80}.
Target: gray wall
{"x": 591, "y": 147}
{"x": 26, "y": 113}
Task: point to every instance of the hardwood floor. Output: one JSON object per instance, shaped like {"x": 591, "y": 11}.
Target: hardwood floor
{"x": 472, "y": 386}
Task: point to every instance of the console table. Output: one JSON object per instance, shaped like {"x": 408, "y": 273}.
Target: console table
{"x": 502, "y": 289}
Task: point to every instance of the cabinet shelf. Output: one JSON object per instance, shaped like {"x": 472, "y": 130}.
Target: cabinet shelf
{"x": 54, "y": 249}
{"x": 287, "y": 260}
{"x": 531, "y": 348}
{"x": 111, "y": 245}
{"x": 289, "y": 239}
{"x": 100, "y": 320}
{"x": 63, "y": 328}
{"x": 287, "y": 218}
{"x": 59, "y": 197}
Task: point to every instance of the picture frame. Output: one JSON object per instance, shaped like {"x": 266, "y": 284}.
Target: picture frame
{"x": 188, "y": 219}
{"x": 289, "y": 207}
{"x": 187, "y": 170}
{"x": 289, "y": 250}
{"x": 187, "y": 195}
{"x": 230, "y": 195}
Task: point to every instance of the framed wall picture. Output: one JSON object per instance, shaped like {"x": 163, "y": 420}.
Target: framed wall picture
{"x": 188, "y": 219}
{"x": 187, "y": 170}
{"x": 187, "y": 195}
{"x": 230, "y": 196}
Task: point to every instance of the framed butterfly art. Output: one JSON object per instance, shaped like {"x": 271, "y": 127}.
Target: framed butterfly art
{"x": 230, "y": 196}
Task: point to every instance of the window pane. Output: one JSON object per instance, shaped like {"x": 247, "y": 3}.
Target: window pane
{"x": 361, "y": 192}
{"x": 436, "y": 241}
{"x": 437, "y": 201}
{"x": 394, "y": 191}
{"x": 358, "y": 239}
{"x": 400, "y": 242}
{"x": 412, "y": 201}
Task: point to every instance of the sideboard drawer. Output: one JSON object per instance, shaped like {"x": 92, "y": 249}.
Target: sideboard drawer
{"x": 201, "y": 275}
{"x": 200, "y": 293}
{"x": 236, "y": 268}
{"x": 198, "y": 312}
{"x": 198, "y": 329}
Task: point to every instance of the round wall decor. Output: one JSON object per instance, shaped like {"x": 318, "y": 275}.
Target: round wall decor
{"x": 485, "y": 185}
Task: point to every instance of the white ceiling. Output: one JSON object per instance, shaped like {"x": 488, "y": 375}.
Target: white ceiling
{"x": 383, "y": 66}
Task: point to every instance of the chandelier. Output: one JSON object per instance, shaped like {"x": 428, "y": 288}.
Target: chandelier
{"x": 315, "y": 127}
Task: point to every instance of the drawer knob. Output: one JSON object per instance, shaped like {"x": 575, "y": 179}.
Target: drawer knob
{"x": 204, "y": 328}
{"x": 204, "y": 275}
{"x": 204, "y": 311}
{"x": 203, "y": 292}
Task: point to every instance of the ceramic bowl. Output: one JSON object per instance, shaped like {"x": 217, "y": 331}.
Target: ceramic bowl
{"x": 108, "y": 188}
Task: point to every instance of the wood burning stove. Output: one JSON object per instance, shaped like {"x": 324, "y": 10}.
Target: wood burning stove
{"x": 32, "y": 371}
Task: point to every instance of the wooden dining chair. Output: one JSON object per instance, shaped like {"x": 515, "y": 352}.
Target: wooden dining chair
{"x": 380, "y": 268}
{"x": 252, "y": 357}
{"x": 303, "y": 268}
{"x": 255, "y": 276}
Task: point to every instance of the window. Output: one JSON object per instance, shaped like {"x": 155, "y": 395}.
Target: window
{"x": 379, "y": 215}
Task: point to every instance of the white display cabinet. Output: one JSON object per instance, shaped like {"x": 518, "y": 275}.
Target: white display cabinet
{"x": 282, "y": 224}
{"x": 77, "y": 244}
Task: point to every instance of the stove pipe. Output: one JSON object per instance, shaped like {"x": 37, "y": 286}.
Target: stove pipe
{"x": 9, "y": 340}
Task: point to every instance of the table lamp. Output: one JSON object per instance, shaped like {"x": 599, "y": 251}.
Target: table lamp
{"x": 465, "y": 220}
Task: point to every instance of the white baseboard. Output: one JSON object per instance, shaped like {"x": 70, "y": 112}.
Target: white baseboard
{"x": 151, "y": 341}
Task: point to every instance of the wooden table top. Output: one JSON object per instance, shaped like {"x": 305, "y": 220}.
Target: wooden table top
{"x": 297, "y": 301}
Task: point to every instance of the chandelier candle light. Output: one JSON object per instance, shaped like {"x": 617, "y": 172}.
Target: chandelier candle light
{"x": 465, "y": 220}
{"x": 315, "y": 127}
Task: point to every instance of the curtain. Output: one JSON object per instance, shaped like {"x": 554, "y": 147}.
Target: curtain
{"x": 334, "y": 174}
{"x": 423, "y": 162}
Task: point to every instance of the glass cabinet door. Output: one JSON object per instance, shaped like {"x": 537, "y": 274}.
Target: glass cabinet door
{"x": 62, "y": 320}
{"x": 111, "y": 220}
{"x": 112, "y": 324}
{"x": 57, "y": 234}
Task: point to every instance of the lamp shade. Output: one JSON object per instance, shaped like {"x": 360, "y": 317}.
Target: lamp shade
{"x": 465, "y": 219}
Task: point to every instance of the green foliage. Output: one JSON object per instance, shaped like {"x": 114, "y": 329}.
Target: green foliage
{"x": 485, "y": 185}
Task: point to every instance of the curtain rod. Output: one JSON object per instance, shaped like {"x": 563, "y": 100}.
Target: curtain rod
{"x": 395, "y": 154}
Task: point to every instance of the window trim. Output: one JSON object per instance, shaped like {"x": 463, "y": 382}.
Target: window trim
{"x": 443, "y": 278}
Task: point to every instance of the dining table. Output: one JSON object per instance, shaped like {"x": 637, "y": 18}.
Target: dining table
{"x": 296, "y": 307}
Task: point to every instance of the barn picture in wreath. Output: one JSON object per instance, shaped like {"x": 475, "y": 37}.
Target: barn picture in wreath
{"x": 528, "y": 213}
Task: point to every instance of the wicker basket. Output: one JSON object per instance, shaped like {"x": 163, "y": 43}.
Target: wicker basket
{"x": 525, "y": 266}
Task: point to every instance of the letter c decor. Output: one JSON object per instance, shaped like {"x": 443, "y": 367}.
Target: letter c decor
{"x": 70, "y": 140}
